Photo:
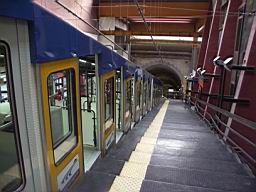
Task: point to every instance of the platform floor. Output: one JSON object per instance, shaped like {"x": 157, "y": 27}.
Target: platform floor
{"x": 170, "y": 150}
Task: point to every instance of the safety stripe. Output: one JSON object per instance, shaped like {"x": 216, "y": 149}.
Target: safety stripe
{"x": 134, "y": 170}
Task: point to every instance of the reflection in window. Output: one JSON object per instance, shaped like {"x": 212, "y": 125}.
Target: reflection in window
{"x": 138, "y": 97}
{"x": 109, "y": 99}
{"x": 62, "y": 106}
{"x": 128, "y": 95}
{"x": 10, "y": 165}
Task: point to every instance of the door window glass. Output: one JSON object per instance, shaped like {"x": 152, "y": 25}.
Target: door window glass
{"x": 138, "y": 96}
{"x": 128, "y": 95}
{"x": 62, "y": 108}
{"x": 109, "y": 99}
{"x": 10, "y": 153}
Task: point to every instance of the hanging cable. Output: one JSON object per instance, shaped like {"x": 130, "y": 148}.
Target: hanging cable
{"x": 149, "y": 31}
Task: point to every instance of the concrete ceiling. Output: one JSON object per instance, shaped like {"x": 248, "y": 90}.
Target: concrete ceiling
{"x": 164, "y": 18}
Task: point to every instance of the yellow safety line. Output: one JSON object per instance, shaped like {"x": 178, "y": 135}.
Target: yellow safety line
{"x": 134, "y": 170}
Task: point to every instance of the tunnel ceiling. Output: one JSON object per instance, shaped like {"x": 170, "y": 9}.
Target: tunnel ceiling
{"x": 170, "y": 78}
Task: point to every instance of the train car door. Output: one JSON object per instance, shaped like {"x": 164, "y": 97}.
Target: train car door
{"x": 21, "y": 160}
{"x": 149, "y": 94}
{"x": 138, "y": 98}
{"x": 145, "y": 89}
{"x": 61, "y": 107}
{"x": 128, "y": 104}
{"x": 89, "y": 110}
{"x": 133, "y": 102}
{"x": 119, "y": 104}
{"x": 108, "y": 111}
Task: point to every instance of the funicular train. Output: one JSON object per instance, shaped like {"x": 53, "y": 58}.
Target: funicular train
{"x": 65, "y": 100}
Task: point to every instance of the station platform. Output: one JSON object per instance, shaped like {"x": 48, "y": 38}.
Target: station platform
{"x": 170, "y": 150}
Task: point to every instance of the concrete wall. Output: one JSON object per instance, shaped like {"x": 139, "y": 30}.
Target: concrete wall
{"x": 83, "y": 8}
{"x": 243, "y": 87}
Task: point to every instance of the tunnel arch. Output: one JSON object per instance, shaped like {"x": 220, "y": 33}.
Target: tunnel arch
{"x": 171, "y": 77}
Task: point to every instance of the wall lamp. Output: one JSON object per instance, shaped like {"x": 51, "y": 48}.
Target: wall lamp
{"x": 227, "y": 65}
{"x": 220, "y": 63}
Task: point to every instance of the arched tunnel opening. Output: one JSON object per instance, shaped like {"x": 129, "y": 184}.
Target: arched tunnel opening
{"x": 168, "y": 76}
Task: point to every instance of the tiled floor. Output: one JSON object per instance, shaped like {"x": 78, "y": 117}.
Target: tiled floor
{"x": 168, "y": 152}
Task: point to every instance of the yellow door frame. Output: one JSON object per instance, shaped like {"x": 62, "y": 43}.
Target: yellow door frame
{"x": 105, "y": 134}
{"x": 46, "y": 69}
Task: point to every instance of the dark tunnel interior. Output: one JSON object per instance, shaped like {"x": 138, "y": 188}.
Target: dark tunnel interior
{"x": 169, "y": 77}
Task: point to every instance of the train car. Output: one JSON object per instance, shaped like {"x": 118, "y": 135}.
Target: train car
{"x": 57, "y": 99}
{"x": 128, "y": 97}
{"x": 157, "y": 91}
{"x": 138, "y": 95}
{"x": 146, "y": 93}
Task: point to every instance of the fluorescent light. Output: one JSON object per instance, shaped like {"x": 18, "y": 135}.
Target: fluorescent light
{"x": 200, "y": 39}
{"x": 93, "y": 64}
{"x": 161, "y": 20}
{"x": 1, "y": 56}
{"x": 170, "y": 38}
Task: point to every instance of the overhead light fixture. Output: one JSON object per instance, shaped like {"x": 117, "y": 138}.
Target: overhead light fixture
{"x": 164, "y": 38}
{"x": 161, "y": 20}
{"x": 93, "y": 64}
{"x": 1, "y": 56}
{"x": 200, "y": 29}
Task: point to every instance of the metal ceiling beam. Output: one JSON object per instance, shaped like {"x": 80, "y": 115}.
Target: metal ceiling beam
{"x": 145, "y": 33}
{"x": 160, "y": 29}
{"x": 165, "y": 42}
{"x": 167, "y": 9}
{"x": 184, "y": 54}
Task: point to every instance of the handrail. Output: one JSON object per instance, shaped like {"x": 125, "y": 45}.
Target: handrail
{"x": 234, "y": 131}
{"x": 216, "y": 120}
{"x": 242, "y": 120}
{"x": 94, "y": 122}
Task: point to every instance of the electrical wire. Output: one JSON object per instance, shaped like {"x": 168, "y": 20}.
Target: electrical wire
{"x": 149, "y": 31}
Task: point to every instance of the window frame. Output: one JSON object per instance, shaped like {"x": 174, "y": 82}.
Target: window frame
{"x": 112, "y": 116}
{"x": 13, "y": 108}
{"x": 73, "y": 120}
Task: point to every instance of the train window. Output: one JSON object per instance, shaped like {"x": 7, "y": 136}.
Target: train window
{"x": 145, "y": 93}
{"x": 128, "y": 95}
{"x": 10, "y": 153}
{"x": 139, "y": 93}
{"x": 109, "y": 100}
{"x": 62, "y": 106}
